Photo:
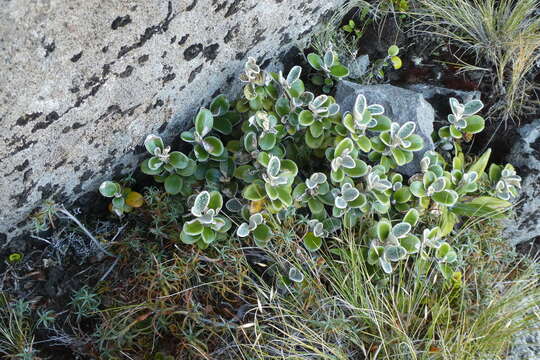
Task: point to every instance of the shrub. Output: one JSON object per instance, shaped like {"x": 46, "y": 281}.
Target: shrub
{"x": 281, "y": 147}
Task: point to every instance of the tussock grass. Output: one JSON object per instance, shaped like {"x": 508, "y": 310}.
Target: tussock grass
{"x": 503, "y": 33}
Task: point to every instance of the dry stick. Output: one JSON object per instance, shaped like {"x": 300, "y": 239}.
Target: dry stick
{"x": 71, "y": 217}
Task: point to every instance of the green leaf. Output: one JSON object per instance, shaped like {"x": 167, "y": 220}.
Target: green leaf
{"x": 345, "y": 144}
{"x": 178, "y": 160}
{"x": 315, "y": 206}
{"x": 395, "y": 253}
{"x": 411, "y": 243}
{"x": 411, "y": 217}
{"x": 153, "y": 142}
{"x": 479, "y": 165}
{"x": 339, "y": 71}
{"x": 475, "y": 124}
{"x": 483, "y": 206}
{"x": 417, "y": 143}
{"x": 445, "y": 197}
{"x": 193, "y": 227}
{"x": 188, "y": 239}
{"x": 267, "y": 141}
{"x": 402, "y": 195}
{"x": 360, "y": 169}
{"x": 220, "y": 105}
{"x": 208, "y": 235}
{"x": 313, "y": 142}
{"x": 109, "y": 188}
{"x": 399, "y": 156}
{"x": 262, "y": 234}
{"x": 223, "y": 125}
{"x": 146, "y": 169}
{"x": 363, "y": 143}
{"x": 312, "y": 242}
{"x": 393, "y": 50}
{"x": 316, "y": 129}
{"x": 296, "y": 275}
{"x": 204, "y": 121}
{"x": 396, "y": 62}
{"x": 297, "y": 88}
{"x": 173, "y": 184}
{"x": 383, "y": 229}
{"x": 254, "y": 192}
{"x": 305, "y": 118}
{"x": 282, "y": 106}
{"x": 284, "y": 194}
{"x": 213, "y": 146}
{"x": 315, "y": 61}
{"x": 216, "y": 201}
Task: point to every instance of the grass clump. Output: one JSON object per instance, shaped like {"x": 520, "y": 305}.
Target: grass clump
{"x": 503, "y": 34}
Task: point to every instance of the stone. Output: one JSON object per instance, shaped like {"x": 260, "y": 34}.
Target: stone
{"x": 525, "y": 156}
{"x": 439, "y": 97}
{"x": 84, "y": 82}
{"x": 400, "y": 105}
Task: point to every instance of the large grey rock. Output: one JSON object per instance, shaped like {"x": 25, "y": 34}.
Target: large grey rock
{"x": 84, "y": 81}
{"x": 400, "y": 105}
{"x": 525, "y": 156}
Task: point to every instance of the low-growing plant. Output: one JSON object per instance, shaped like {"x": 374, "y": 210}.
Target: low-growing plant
{"x": 288, "y": 151}
{"x": 124, "y": 200}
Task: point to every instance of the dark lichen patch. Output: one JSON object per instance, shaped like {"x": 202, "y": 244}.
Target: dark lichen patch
{"x": 18, "y": 168}
{"x": 163, "y": 126}
{"x": 23, "y": 144}
{"x": 168, "y": 77}
{"x": 231, "y": 34}
{"x": 258, "y": 37}
{"x": 74, "y": 90}
{"x": 210, "y": 52}
{"x": 285, "y": 39}
{"x": 105, "y": 49}
{"x": 49, "y": 47}
{"x": 22, "y": 197}
{"x": 157, "y": 104}
{"x": 173, "y": 39}
{"x": 126, "y": 73}
{"x": 220, "y": 5}
{"x": 76, "y": 57}
{"x": 194, "y": 73}
{"x": 26, "y": 118}
{"x": 60, "y": 163}
{"x": 240, "y": 55}
{"x": 233, "y": 8}
{"x": 49, "y": 119}
{"x": 27, "y": 175}
{"x": 159, "y": 28}
{"x": 192, "y": 51}
{"x": 120, "y": 21}
{"x": 183, "y": 39}
{"x": 192, "y": 5}
{"x": 142, "y": 59}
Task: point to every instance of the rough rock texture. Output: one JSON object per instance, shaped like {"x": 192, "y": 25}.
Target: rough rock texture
{"x": 525, "y": 156}
{"x": 83, "y": 82}
{"x": 400, "y": 105}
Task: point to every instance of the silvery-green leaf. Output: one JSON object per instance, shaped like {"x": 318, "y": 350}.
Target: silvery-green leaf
{"x": 472, "y": 107}
{"x": 328, "y": 58}
{"x": 207, "y": 217}
{"x": 255, "y": 219}
{"x": 243, "y": 230}
{"x": 360, "y": 105}
{"x": 347, "y": 162}
{"x": 437, "y": 185}
{"x": 154, "y": 163}
{"x": 109, "y": 188}
{"x": 395, "y": 252}
{"x": 204, "y": 121}
{"x": 340, "y": 202}
{"x": 318, "y": 101}
{"x": 385, "y": 265}
{"x": 201, "y": 203}
{"x": 375, "y": 109}
{"x": 333, "y": 109}
{"x": 401, "y": 229}
{"x": 233, "y": 205}
{"x": 193, "y": 227}
{"x": 296, "y": 275}
{"x": 318, "y": 178}
{"x": 294, "y": 74}
{"x": 318, "y": 229}
{"x": 153, "y": 142}
{"x": 446, "y": 197}
{"x": 274, "y": 165}
{"x": 406, "y": 130}
{"x": 350, "y": 194}
{"x": 456, "y": 107}
{"x": 394, "y": 129}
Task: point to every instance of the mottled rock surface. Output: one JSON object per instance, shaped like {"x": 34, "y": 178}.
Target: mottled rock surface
{"x": 400, "y": 105}
{"x": 525, "y": 156}
{"x": 83, "y": 82}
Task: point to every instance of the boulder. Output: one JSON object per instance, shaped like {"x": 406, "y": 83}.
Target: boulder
{"x": 525, "y": 156}
{"x": 84, "y": 82}
{"x": 439, "y": 97}
{"x": 400, "y": 105}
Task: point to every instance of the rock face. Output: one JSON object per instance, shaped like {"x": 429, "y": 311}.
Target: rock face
{"x": 83, "y": 82}
{"x": 525, "y": 156}
{"x": 400, "y": 105}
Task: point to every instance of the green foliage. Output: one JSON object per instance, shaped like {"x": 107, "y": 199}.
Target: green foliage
{"x": 329, "y": 66}
{"x": 124, "y": 199}
{"x": 292, "y": 155}
{"x": 85, "y": 302}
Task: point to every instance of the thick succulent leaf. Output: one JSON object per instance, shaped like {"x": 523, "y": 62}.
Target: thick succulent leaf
{"x": 316, "y": 129}
{"x": 401, "y": 229}
{"x": 109, "y": 188}
{"x": 383, "y": 229}
{"x": 479, "y": 165}
{"x": 243, "y": 230}
{"x": 296, "y": 275}
{"x": 201, "y": 203}
{"x": 411, "y": 217}
{"x": 262, "y": 234}
{"x": 402, "y": 195}
{"x": 411, "y": 243}
{"x": 153, "y": 142}
{"x": 154, "y": 163}
{"x": 223, "y": 124}
{"x": 220, "y": 105}
{"x": 312, "y": 242}
{"x": 274, "y": 166}
{"x": 297, "y": 88}
{"x": 475, "y": 124}
{"x": 267, "y": 141}
{"x": 193, "y": 227}
{"x": 213, "y": 146}
{"x": 188, "y": 239}
{"x": 315, "y": 61}
{"x": 178, "y": 160}
{"x": 339, "y": 71}
{"x": 395, "y": 252}
{"x": 146, "y": 169}
{"x": 305, "y": 118}
{"x": 445, "y": 197}
{"x": 315, "y": 206}
{"x": 374, "y": 253}
{"x": 284, "y": 194}
{"x": 216, "y": 201}
{"x": 393, "y": 50}
{"x": 173, "y": 184}
{"x": 294, "y": 74}
{"x": 208, "y": 235}
{"x": 406, "y": 130}
{"x": 416, "y": 143}
{"x": 254, "y": 192}
{"x": 364, "y": 143}
{"x": 472, "y": 107}
{"x": 345, "y": 144}
{"x": 204, "y": 121}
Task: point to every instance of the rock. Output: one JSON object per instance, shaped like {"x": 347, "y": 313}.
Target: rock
{"x": 400, "y": 105}
{"x": 439, "y": 97}
{"x": 358, "y": 66}
{"x": 525, "y": 156}
{"x": 84, "y": 82}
